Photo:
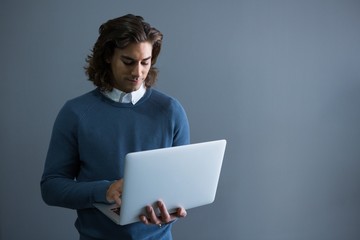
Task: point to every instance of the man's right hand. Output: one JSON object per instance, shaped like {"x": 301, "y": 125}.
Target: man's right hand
{"x": 114, "y": 192}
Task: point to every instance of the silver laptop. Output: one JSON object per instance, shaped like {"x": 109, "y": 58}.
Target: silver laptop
{"x": 184, "y": 176}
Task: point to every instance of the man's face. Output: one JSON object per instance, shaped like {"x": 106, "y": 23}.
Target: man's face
{"x": 131, "y": 65}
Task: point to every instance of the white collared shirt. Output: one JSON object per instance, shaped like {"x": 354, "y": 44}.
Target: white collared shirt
{"x": 122, "y": 97}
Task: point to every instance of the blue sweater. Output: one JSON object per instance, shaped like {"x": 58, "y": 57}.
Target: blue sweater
{"x": 90, "y": 138}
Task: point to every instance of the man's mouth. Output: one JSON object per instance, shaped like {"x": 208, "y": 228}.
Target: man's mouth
{"x": 134, "y": 79}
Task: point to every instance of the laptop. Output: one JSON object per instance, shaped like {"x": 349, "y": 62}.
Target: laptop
{"x": 183, "y": 176}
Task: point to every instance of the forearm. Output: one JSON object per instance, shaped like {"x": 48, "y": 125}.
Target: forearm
{"x": 64, "y": 192}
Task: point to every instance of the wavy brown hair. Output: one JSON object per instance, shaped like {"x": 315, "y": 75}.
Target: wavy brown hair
{"x": 119, "y": 33}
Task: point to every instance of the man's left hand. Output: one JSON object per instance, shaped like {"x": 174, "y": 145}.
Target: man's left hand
{"x": 164, "y": 218}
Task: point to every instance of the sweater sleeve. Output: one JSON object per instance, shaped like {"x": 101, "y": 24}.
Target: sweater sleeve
{"x": 59, "y": 186}
{"x": 181, "y": 125}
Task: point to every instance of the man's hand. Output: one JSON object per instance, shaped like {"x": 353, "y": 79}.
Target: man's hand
{"x": 114, "y": 192}
{"x": 164, "y": 218}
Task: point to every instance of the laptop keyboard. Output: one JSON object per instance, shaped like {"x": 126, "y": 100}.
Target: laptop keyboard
{"x": 116, "y": 210}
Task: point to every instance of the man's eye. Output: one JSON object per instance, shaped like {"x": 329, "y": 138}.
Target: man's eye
{"x": 145, "y": 63}
{"x": 128, "y": 62}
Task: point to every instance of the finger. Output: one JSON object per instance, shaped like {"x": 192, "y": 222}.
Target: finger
{"x": 118, "y": 200}
{"x": 181, "y": 212}
{"x": 114, "y": 192}
{"x": 152, "y": 215}
{"x": 144, "y": 219}
{"x": 165, "y": 216}
{"x": 114, "y": 197}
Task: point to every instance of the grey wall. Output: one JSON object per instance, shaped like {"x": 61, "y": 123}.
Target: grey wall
{"x": 280, "y": 80}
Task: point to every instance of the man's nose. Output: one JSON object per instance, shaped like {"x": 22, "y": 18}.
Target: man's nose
{"x": 136, "y": 71}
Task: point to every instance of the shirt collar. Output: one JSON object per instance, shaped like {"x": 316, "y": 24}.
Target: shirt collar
{"x": 122, "y": 97}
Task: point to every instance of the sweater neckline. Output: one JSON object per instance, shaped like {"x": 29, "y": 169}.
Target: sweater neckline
{"x": 126, "y": 105}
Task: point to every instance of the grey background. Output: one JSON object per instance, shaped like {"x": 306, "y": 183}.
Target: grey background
{"x": 280, "y": 80}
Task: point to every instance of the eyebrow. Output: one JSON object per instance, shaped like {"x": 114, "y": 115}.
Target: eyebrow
{"x": 130, "y": 58}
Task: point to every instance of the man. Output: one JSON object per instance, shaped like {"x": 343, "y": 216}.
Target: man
{"x": 93, "y": 132}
